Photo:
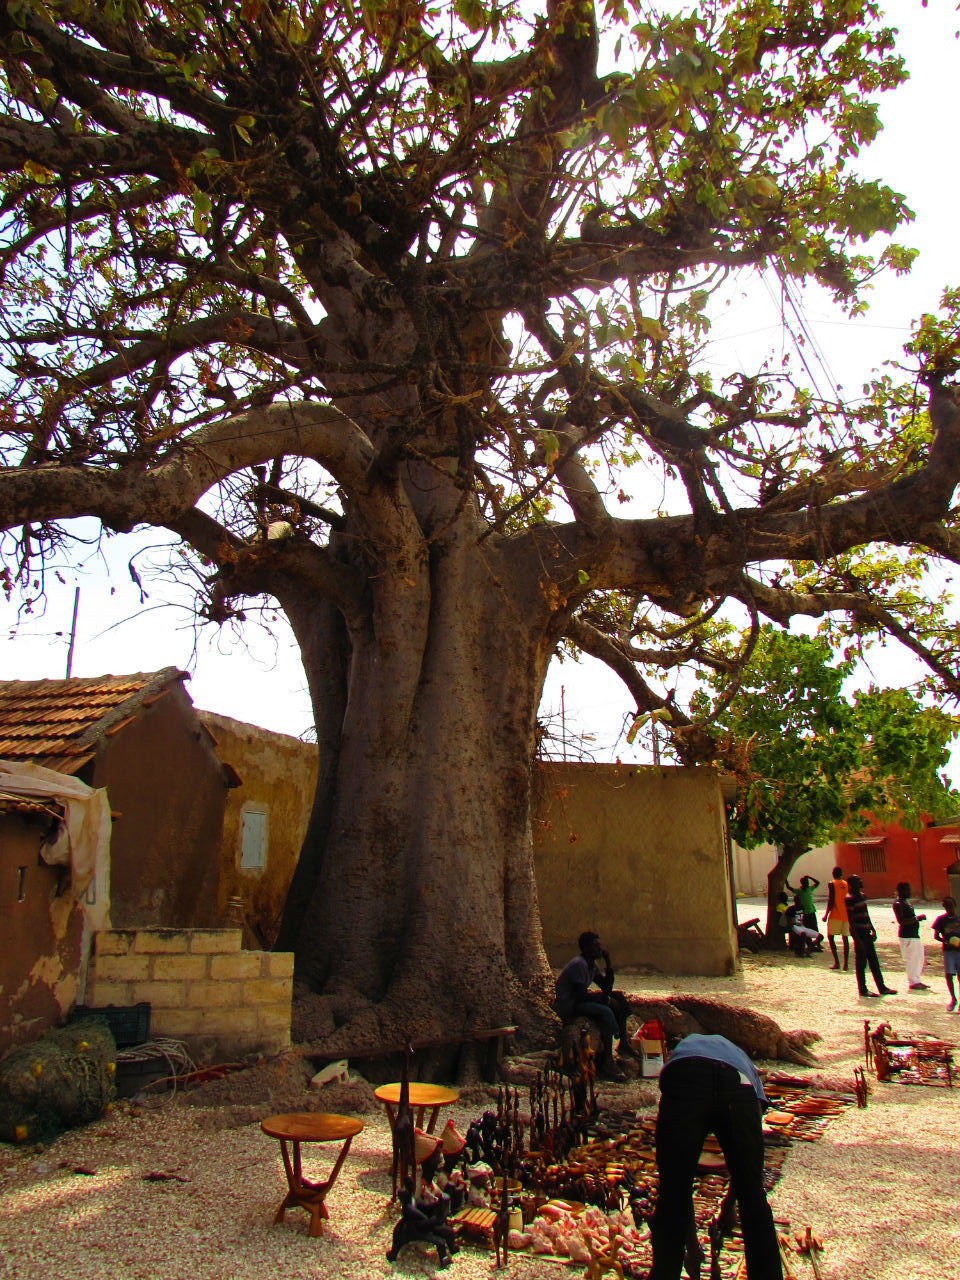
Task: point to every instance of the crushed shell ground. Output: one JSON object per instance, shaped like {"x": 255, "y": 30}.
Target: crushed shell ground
{"x": 882, "y": 1187}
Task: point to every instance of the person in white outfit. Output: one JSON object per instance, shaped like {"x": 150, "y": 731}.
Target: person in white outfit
{"x": 911, "y": 948}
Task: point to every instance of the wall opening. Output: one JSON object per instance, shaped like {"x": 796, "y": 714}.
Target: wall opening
{"x": 253, "y": 839}
{"x": 873, "y": 860}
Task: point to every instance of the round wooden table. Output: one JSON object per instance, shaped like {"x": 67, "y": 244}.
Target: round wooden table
{"x": 309, "y": 1126}
{"x": 422, "y": 1096}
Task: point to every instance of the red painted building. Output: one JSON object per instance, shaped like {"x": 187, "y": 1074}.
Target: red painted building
{"x": 887, "y": 854}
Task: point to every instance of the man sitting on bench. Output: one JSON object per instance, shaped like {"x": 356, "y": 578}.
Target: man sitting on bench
{"x": 608, "y": 1008}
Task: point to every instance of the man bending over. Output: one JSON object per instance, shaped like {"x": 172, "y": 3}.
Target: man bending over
{"x": 709, "y": 1085}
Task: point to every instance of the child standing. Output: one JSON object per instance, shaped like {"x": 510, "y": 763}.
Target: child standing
{"x": 836, "y": 917}
{"x": 946, "y": 929}
{"x": 805, "y": 894}
{"x": 911, "y": 948}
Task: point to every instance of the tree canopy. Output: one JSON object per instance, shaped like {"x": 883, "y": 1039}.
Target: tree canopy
{"x": 811, "y": 759}
{"x": 387, "y": 310}
{"x": 814, "y": 764}
{"x": 240, "y": 236}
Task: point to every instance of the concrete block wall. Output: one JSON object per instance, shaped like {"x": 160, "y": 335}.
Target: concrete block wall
{"x": 202, "y": 988}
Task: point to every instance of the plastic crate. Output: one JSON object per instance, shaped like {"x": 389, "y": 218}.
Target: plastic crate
{"x": 133, "y": 1077}
{"x": 129, "y": 1024}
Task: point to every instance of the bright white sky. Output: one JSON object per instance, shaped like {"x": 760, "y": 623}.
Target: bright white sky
{"x": 262, "y": 681}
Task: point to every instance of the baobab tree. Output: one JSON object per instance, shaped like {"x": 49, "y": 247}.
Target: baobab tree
{"x": 386, "y": 311}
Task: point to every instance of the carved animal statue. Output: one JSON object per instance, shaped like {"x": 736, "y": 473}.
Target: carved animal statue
{"x": 404, "y": 1140}
{"x": 424, "y": 1223}
{"x": 488, "y": 1136}
{"x": 473, "y": 1142}
{"x": 755, "y": 1033}
{"x": 501, "y": 1224}
{"x": 603, "y": 1260}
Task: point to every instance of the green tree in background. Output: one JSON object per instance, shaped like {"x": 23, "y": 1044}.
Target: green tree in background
{"x": 813, "y": 765}
{"x": 397, "y": 317}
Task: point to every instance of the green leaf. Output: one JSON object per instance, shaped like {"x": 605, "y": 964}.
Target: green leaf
{"x": 37, "y": 172}
{"x": 471, "y": 13}
{"x": 292, "y": 27}
{"x": 762, "y": 190}
{"x": 652, "y": 328}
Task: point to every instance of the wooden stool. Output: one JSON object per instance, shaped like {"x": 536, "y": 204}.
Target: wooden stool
{"x": 422, "y": 1096}
{"x": 298, "y": 1127}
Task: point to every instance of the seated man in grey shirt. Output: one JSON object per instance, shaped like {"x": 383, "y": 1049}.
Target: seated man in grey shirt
{"x": 606, "y": 1007}
{"x": 708, "y": 1085}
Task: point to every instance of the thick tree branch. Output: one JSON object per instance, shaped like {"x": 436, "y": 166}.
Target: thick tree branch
{"x": 131, "y": 495}
{"x": 579, "y": 487}
{"x": 245, "y": 328}
{"x": 81, "y": 70}
{"x": 613, "y": 655}
{"x": 153, "y": 147}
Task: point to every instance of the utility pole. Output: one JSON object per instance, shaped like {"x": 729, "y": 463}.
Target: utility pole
{"x": 73, "y": 630}
{"x": 563, "y": 721}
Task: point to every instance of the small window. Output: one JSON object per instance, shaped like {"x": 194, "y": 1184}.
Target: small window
{"x": 253, "y": 840}
{"x": 873, "y": 859}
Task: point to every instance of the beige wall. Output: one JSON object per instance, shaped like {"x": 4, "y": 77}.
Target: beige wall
{"x": 640, "y": 856}
{"x": 637, "y": 854}
{"x": 202, "y": 989}
{"x": 751, "y": 867}
{"x": 278, "y": 775}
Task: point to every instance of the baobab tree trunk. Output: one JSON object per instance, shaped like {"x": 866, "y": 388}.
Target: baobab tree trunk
{"x": 777, "y": 878}
{"x": 415, "y": 906}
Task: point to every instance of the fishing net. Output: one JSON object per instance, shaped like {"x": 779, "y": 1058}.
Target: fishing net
{"x": 65, "y": 1078}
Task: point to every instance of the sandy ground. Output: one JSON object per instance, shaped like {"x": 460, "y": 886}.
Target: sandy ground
{"x": 187, "y": 1193}
{"x": 882, "y": 1187}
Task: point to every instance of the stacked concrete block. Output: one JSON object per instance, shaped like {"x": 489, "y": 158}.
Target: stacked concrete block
{"x": 202, "y": 988}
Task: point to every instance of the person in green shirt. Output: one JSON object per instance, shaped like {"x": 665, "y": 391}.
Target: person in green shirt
{"x": 805, "y": 894}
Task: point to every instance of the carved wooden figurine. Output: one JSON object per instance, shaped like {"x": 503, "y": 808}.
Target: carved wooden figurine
{"x": 420, "y": 1221}
{"x": 404, "y": 1153}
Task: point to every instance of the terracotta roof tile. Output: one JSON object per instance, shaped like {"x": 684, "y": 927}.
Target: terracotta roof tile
{"x": 29, "y": 808}
{"x": 57, "y": 723}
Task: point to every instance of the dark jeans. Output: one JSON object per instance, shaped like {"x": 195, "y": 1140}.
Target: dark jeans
{"x": 865, "y": 953}
{"x": 699, "y": 1096}
{"x": 601, "y": 1014}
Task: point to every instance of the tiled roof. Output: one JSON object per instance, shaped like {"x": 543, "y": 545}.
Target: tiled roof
{"x": 29, "y": 808}
{"x": 58, "y": 723}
